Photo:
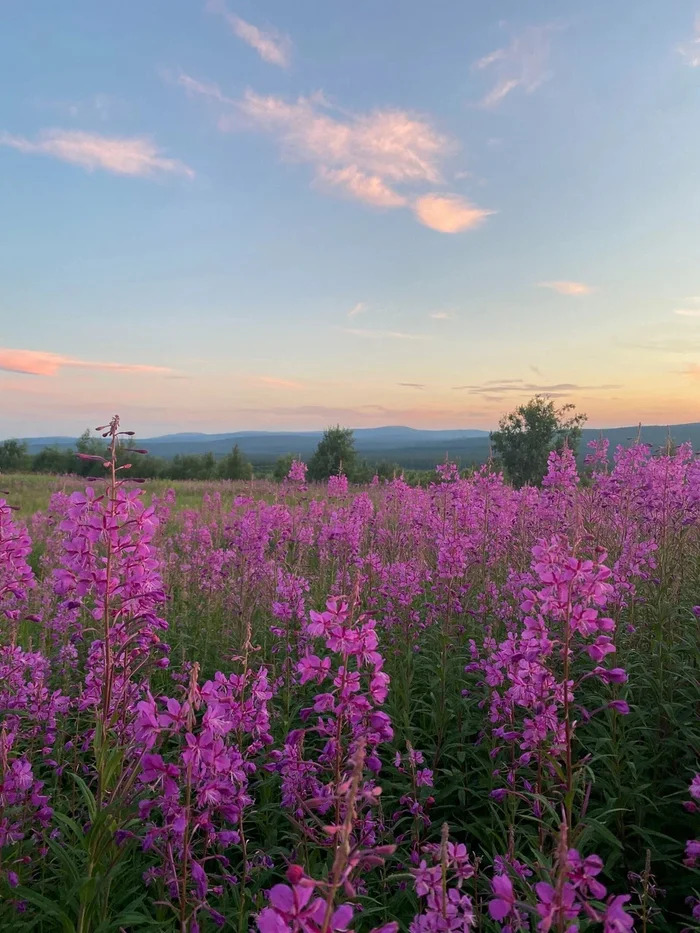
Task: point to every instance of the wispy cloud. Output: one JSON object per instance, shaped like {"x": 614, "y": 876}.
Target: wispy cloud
{"x": 412, "y": 385}
{"x": 690, "y": 50}
{"x": 522, "y": 64}
{"x": 448, "y": 213}
{"x": 121, "y": 155}
{"x": 38, "y": 363}
{"x": 692, "y": 370}
{"x": 380, "y": 334}
{"x": 441, "y": 315}
{"x": 280, "y": 383}
{"x": 392, "y": 145}
{"x": 272, "y": 46}
{"x": 364, "y": 156}
{"x": 514, "y": 387}
{"x": 194, "y": 88}
{"x": 690, "y": 312}
{"x": 568, "y": 288}
{"x": 358, "y": 308}
{"x": 351, "y": 182}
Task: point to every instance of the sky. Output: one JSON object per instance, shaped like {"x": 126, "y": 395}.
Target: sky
{"x": 255, "y": 214}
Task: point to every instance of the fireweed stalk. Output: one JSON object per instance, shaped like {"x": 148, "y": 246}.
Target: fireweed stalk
{"x": 16, "y": 576}
{"x": 291, "y": 909}
{"x": 532, "y": 674}
{"x": 110, "y": 569}
{"x": 347, "y": 716}
{"x": 570, "y": 895}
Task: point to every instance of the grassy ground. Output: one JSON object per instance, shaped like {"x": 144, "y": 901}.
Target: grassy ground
{"x": 31, "y": 492}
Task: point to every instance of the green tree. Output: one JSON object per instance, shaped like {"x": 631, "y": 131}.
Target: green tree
{"x": 282, "y": 467}
{"x": 94, "y": 446}
{"x": 13, "y": 456}
{"x": 387, "y": 469}
{"x": 335, "y": 454}
{"x": 54, "y": 460}
{"x": 193, "y": 466}
{"x": 235, "y": 466}
{"x": 89, "y": 443}
{"x": 526, "y": 436}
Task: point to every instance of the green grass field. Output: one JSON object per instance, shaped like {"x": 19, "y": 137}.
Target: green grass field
{"x": 31, "y": 492}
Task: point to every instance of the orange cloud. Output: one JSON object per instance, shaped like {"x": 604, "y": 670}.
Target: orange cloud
{"x": 121, "y": 155}
{"x": 281, "y": 383}
{"x": 692, "y": 370}
{"x": 568, "y": 288}
{"x": 38, "y": 363}
{"x": 522, "y": 64}
{"x": 272, "y": 47}
{"x": 448, "y": 213}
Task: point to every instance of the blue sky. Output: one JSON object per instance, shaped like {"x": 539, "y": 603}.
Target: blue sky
{"x": 227, "y": 215}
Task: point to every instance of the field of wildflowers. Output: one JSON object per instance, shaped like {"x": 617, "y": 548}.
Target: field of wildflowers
{"x": 457, "y": 708}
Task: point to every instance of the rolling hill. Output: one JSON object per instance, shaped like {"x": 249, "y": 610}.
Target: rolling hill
{"x": 413, "y": 448}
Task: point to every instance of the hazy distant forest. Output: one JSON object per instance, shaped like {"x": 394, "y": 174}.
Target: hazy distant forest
{"x": 526, "y": 434}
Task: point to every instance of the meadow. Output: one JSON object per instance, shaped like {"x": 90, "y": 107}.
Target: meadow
{"x": 285, "y": 707}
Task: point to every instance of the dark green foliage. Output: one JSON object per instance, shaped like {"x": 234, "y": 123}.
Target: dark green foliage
{"x": 54, "y": 460}
{"x": 193, "y": 466}
{"x": 526, "y": 437}
{"x": 235, "y": 466}
{"x": 335, "y": 454}
{"x": 282, "y": 467}
{"x": 13, "y": 456}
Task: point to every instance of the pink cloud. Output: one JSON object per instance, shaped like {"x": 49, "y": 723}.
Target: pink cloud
{"x": 368, "y": 188}
{"x": 568, "y": 288}
{"x": 448, "y": 213}
{"x": 365, "y": 156}
{"x": 121, "y": 155}
{"x": 693, "y": 371}
{"x": 394, "y": 145}
{"x": 271, "y": 46}
{"x": 204, "y": 88}
{"x": 522, "y": 64}
{"x": 38, "y": 363}
{"x": 688, "y": 312}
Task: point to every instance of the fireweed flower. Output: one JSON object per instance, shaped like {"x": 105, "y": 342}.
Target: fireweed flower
{"x": 503, "y": 901}
{"x": 347, "y": 713}
{"x": 438, "y": 883}
{"x": 16, "y": 576}
{"x": 532, "y": 674}
{"x": 616, "y": 920}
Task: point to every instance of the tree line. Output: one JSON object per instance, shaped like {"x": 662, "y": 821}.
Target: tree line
{"x": 521, "y": 446}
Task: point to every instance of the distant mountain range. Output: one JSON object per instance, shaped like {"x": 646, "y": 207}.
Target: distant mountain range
{"x": 413, "y": 448}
